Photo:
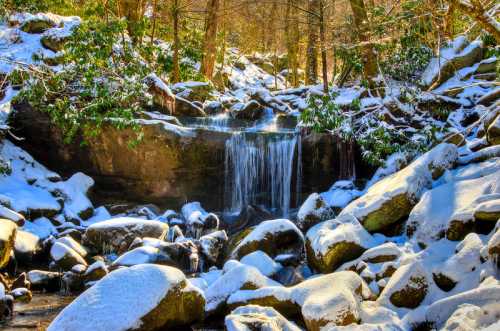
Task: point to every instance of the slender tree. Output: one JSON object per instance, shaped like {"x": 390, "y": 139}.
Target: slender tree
{"x": 312, "y": 41}
{"x": 175, "y": 12}
{"x": 209, "y": 42}
{"x": 292, "y": 41}
{"x": 324, "y": 64}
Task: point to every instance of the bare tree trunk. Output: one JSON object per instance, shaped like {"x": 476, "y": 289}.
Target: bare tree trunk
{"x": 133, "y": 11}
{"x": 312, "y": 42}
{"x": 175, "y": 60}
{"x": 292, "y": 41}
{"x": 368, "y": 55}
{"x": 448, "y": 22}
{"x": 476, "y": 10}
{"x": 209, "y": 43}
{"x": 324, "y": 64}
{"x": 154, "y": 21}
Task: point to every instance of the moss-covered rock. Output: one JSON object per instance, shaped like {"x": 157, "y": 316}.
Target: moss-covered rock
{"x": 144, "y": 297}
{"x": 8, "y": 230}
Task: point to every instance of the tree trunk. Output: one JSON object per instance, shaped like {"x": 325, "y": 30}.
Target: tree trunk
{"x": 324, "y": 64}
{"x": 368, "y": 55}
{"x": 312, "y": 42}
{"x": 476, "y": 10}
{"x": 176, "y": 77}
{"x": 292, "y": 41}
{"x": 448, "y": 22}
{"x": 209, "y": 43}
{"x": 154, "y": 4}
{"x": 133, "y": 11}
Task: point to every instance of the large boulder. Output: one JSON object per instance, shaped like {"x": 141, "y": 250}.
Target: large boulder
{"x": 65, "y": 257}
{"x": 251, "y": 111}
{"x": 448, "y": 210}
{"x": 38, "y": 23}
{"x": 117, "y": 234}
{"x": 145, "y": 297}
{"x": 8, "y": 230}
{"x": 315, "y": 299}
{"x": 193, "y": 91}
{"x": 407, "y": 288}
{"x": 254, "y": 317}
{"x": 273, "y": 237}
{"x": 331, "y": 243}
{"x": 392, "y": 198}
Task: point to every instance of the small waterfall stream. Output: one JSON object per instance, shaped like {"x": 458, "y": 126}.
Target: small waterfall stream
{"x": 259, "y": 168}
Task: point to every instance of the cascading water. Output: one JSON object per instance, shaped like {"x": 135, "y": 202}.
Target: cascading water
{"x": 259, "y": 169}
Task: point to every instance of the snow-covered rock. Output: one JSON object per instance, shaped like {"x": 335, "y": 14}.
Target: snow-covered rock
{"x": 315, "y": 299}
{"x": 449, "y": 209}
{"x": 148, "y": 297}
{"x": 27, "y": 246}
{"x": 236, "y": 276}
{"x": 44, "y": 280}
{"x": 212, "y": 246}
{"x": 313, "y": 211}
{"x": 331, "y": 243}
{"x": 392, "y": 198}
{"x": 471, "y": 317}
{"x": 95, "y": 271}
{"x": 65, "y": 257}
{"x": 261, "y": 261}
{"x": 198, "y": 220}
{"x": 254, "y": 317}
{"x": 273, "y": 237}
{"x": 117, "y": 234}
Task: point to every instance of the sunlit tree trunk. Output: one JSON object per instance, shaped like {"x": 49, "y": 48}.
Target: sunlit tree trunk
{"x": 133, "y": 11}
{"x": 209, "y": 43}
{"x": 292, "y": 41}
{"x": 368, "y": 55}
{"x": 312, "y": 42}
{"x": 324, "y": 64}
{"x": 175, "y": 60}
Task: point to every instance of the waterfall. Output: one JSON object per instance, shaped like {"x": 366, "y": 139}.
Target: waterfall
{"x": 259, "y": 169}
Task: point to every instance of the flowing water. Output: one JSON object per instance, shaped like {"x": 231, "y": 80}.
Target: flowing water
{"x": 259, "y": 169}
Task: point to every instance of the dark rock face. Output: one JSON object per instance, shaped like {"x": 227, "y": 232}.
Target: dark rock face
{"x": 167, "y": 167}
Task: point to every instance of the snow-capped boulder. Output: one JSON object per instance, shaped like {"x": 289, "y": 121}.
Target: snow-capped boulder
{"x": 198, "y": 220}
{"x": 21, "y": 294}
{"x": 472, "y": 317}
{"x": 493, "y": 134}
{"x": 55, "y": 38}
{"x": 313, "y": 210}
{"x": 146, "y": 297}
{"x": 494, "y": 246}
{"x": 27, "y": 246}
{"x": 254, "y": 317}
{"x": 117, "y": 234}
{"x": 407, "y": 287}
{"x": 38, "y": 23}
{"x": 260, "y": 260}
{"x": 331, "y": 243}
{"x": 449, "y": 208}
{"x": 65, "y": 257}
{"x": 72, "y": 243}
{"x": 251, "y": 111}
{"x": 458, "y": 55}
{"x": 315, "y": 299}
{"x": 8, "y": 230}
{"x": 488, "y": 211}
{"x": 139, "y": 255}
{"x": 273, "y": 237}
{"x": 44, "y": 280}
{"x": 485, "y": 297}
{"x": 11, "y": 215}
{"x": 185, "y": 107}
{"x": 392, "y": 198}
{"x": 236, "y": 276}
{"x": 193, "y": 91}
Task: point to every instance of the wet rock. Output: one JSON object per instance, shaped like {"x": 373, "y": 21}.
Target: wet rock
{"x": 8, "y": 230}
{"x": 65, "y": 257}
{"x": 213, "y": 108}
{"x": 289, "y": 276}
{"x": 392, "y": 198}
{"x": 273, "y": 237}
{"x": 256, "y": 318}
{"x": 44, "y": 280}
{"x": 72, "y": 281}
{"x": 251, "y": 111}
{"x": 250, "y": 216}
{"x": 193, "y": 91}
{"x": 6, "y": 305}
{"x": 331, "y": 243}
{"x": 198, "y": 220}
{"x": 21, "y": 282}
{"x": 117, "y": 234}
{"x": 212, "y": 247}
{"x": 313, "y": 211}
{"x": 151, "y": 296}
